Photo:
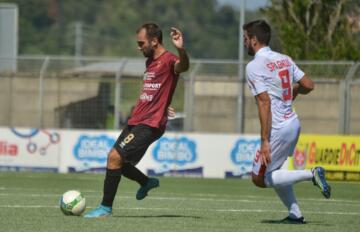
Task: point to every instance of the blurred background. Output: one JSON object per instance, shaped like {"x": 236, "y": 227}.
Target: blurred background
{"x": 75, "y": 64}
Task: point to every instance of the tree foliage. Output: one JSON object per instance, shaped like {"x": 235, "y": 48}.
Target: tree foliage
{"x": 304, "y": 29}
{"x": 47, "y": 26}
{"x": 315, "y": 29}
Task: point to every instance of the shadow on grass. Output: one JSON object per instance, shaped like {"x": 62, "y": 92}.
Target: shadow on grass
{"x": 287, "y": 223}
{"x": 157, "y": 216}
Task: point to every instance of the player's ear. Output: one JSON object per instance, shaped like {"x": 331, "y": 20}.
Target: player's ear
{"x": 154, "y": 42}
{"x": 253, "y": 40}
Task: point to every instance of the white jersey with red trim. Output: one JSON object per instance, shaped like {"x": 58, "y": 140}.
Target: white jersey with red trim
{"x": 275, "y": 74}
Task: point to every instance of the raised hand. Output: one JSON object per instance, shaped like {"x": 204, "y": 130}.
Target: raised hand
{"x": 170, "y": 112}
{"x": 177, "y": 38}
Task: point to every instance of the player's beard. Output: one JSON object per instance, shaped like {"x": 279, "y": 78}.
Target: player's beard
{"x": 250, "y": 50}
{"x": 148, "y": 52}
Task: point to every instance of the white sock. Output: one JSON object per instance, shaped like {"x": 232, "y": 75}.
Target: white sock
{"x": 287, "y": 196}
{"x": 280, "y": 178}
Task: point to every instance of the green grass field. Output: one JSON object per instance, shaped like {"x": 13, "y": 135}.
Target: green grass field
{"x": 29, "y": 202}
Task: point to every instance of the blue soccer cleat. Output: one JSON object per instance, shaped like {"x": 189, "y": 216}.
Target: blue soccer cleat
{"x": 320, "y": 181}
{"x": 143, "y": 190}
{"x": 99, "y": 212}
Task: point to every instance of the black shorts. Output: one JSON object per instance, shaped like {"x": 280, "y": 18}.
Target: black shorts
{"x": 135, "y": 140}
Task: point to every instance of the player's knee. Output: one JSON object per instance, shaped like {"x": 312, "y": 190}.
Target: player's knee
{"x": 114, "y": 160}
{"x": 258, "y": 180}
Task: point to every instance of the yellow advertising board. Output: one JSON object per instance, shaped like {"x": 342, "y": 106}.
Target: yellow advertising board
{"x": 340, "y": 155}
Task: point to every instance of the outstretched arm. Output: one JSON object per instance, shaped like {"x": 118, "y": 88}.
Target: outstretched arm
{"x": 183, "y": 63}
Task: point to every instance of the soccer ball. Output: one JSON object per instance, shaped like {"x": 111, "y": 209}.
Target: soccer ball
{"x": 72, "y": 202}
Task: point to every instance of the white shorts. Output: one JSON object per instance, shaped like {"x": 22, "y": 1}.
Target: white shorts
{"x": 282, "y": 144}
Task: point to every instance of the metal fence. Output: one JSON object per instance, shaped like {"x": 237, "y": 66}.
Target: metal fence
{"x": 98, "y": 93}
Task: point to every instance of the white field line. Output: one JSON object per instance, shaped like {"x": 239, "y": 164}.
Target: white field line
{"x": 214, "y": 197}
{"x": 96, "y": 177}
{"x": 190, "y": 209}
{"x": 225, "y": 197}
{"x": 156, "y": 198}
{"x": 176, "y": 196}
{"x": 133, "y": 197}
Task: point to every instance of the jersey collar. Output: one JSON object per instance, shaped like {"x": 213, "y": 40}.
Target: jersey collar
{"x": 261, "y": 50}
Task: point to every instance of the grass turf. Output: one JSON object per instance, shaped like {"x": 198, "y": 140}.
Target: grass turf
{"x": 29, "y": 202}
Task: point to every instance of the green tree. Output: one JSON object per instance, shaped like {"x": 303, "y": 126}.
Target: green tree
{"x": 314, "y": 29}
{"x": 210, "y": 31}
{"x": 47, "y": 26}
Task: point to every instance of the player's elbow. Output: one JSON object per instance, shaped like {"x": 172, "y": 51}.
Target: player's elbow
{"x": 310, "y": 87}
{"x": 182, "y": 67}
{"x": 306, "y": 85}
{"x": 185, "y": 66}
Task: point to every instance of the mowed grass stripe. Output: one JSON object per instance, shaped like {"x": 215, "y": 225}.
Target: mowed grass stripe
{"x": 271, "y": 200}
{"x": 251, "y": 200}
{"x": 180, "y": 204}
{"x": 191, "y": 209}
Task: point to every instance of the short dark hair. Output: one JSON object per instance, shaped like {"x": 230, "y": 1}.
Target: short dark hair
{"x": 260, "y": 29}
{"x": 152, "y": 31}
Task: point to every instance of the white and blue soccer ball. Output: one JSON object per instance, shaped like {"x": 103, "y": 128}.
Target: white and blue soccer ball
{"x": 72, "y": 202}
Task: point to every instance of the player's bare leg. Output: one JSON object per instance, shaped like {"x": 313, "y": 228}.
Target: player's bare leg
{"x": 111, "y": 183}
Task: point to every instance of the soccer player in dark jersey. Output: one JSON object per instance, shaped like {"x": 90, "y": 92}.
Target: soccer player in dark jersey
{"x": 149, "y": 117}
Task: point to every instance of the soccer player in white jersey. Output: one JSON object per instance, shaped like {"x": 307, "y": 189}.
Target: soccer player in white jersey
{"x": 275, "y": 81}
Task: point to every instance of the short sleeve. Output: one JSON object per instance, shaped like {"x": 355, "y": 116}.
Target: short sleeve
{"x": 171, "y": 61}
{"x": 255, "y": 81}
